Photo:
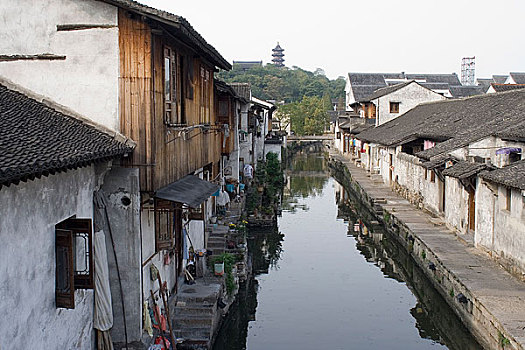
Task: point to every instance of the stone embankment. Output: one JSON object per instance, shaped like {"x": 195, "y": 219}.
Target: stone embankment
{"x": 488, "y": 300}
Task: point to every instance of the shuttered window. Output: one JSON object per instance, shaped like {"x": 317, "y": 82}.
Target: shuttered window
{"x": 205, "y": 94}
{"x": 173, "y": 85}
{"x": 74, "y": 260}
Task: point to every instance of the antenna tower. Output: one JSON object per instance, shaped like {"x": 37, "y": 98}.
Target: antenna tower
{"x": 468, "y": 70}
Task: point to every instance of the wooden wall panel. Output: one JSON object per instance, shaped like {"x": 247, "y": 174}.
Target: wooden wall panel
{"x": 163, "y": 154}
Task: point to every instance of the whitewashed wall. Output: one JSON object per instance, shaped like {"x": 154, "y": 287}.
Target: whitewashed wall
{"x": 487, "y": 147}
{"x": 167, "y": 272}
{"x": 456, "y": 209}
{"x": 499, "y": 230}
{"x": 30, "y": 211}
{"x": 87, "y": 80}
{"x": 409, "y": 97}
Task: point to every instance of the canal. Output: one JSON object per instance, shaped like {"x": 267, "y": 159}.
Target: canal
{"x": 329, "y": 277}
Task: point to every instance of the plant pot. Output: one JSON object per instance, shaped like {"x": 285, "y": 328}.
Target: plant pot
{"x": 219, "y": 269}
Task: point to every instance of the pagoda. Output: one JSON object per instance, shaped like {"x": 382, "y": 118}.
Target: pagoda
{"x": 278, "y": 56}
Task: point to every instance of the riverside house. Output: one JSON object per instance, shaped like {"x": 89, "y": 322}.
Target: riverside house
{"x": 148, "y": 75}
{"x": 461, "y": 160}
{"x": 52, "y": 161}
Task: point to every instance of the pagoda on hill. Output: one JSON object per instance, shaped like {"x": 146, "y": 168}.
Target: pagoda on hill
{"x": 278, "y": 56}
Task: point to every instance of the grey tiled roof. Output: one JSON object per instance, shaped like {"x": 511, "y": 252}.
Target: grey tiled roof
{"x": 506, "y": 87}
{"x": 465, "y": 91}
{"x": 389, "y": 89}
{"x": 515, "y": 132}
{"x": 500, "y": 79}
{"x": 365, "y": 84}
{"x": 459, "y": 121}
{"x": 177, "y": 23}
{"x": 37, "y": 140}
{"x": 242, "y": 89}
{"x": 463, "y": 170}
{"x": 450, "y": 79}
{"x": 518, "y": 77}
{"x": 484, "y": 83}
{"x": 512, "y": 175}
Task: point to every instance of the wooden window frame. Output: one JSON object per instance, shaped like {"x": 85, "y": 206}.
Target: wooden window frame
{"x": 164, "y": 224}
{"x": 394, "y": 107}
{"x": 205, "y": 95}
{"x": 67, "y": 278}
{"x": 196, "y": 213}
{"x": 223, "y": 110}
{"x": 173, "y": 86}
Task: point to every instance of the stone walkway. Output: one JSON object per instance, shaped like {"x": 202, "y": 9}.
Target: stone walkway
{"x": 496, "y": 298}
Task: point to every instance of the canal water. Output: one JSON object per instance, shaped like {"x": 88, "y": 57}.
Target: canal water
{"x": 328, "y": 277}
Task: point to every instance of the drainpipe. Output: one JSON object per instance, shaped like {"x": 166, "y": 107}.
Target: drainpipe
{"x": 494, "y": 199}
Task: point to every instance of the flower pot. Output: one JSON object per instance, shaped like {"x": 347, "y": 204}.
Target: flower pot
{"x": 219, "y": 269}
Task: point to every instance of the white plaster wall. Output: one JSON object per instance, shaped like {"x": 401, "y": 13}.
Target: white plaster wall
{"x": 233, "y": 162}
{"x": 259, "y": 140}
{"x": 167, "y": 272}
{"x": 409, "y": 97}
{"x": 485, "y": 208}
{"x": 411, "y": 175}
{"x": 245, "y": 146}
{"x": 196, "y": 234}
{"x": 338, "y": 141}
{"x": 29, "y": 318}
{"x": 274, "y": 148}
{"x": 509, "y": 237}
{"x": 456, "y": 209}
{"x": 487, "y": 147}
{"x": 87, "y": 80}
{"x": 500, "y": 230}
{"x": 349, "y": 95}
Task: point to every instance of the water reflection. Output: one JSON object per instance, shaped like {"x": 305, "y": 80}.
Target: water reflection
{"x": 306, "y": 176}
{"x": 435, "y": 320}
{"x": 317, "y": 283}
{"x": 265, "y": 248}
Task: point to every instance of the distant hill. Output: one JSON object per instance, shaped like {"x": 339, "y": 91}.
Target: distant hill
{"x": 285, "y": 84}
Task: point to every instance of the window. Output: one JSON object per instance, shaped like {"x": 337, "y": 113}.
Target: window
{"x": 223, "y": 111}
{"x": 394, "y": 107}
{"x": 514, "y": 157}
{"x": 164, "y": 224}
{"x": 205, "y": 102}
{"x": 426, "y": 171}
{"x": 432, "y": 176}
{"x": 508, "y": 198}
{"x": 173, "y": 101}
{"x": 196, "y": 213}
{"x": 74, "y": 260}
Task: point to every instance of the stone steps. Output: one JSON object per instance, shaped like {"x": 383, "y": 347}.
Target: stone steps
{"x": 193, "y": 333}
{"x": 193, "y": 310}
{"x": 193, "y": 321}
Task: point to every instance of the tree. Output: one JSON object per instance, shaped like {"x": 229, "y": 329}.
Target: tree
{"x": 285, "y": 84}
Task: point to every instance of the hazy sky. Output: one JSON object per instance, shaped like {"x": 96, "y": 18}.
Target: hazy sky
{"x": 341, "y": 36}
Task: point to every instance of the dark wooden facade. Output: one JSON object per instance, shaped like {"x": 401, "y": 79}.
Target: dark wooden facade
{"x": 169, "y": 146}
